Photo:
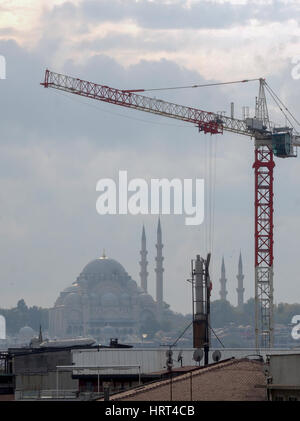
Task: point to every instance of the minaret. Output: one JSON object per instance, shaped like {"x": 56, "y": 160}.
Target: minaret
{"x": 223, "y": 280}
{"x": 240, "y": 289}
{"x": 144, "y": 263}
{"x": 40, "y": 335}
{"x": 159, "y": 269}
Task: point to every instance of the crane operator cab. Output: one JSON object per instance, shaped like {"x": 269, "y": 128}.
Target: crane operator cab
{"x": 282, "y": 142}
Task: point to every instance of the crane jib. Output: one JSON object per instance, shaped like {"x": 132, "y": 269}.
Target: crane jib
{"x": 207, "y": 122}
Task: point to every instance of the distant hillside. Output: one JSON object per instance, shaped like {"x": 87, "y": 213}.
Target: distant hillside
{"x": 21, "y": 315}
{"x": 222, "y": 313}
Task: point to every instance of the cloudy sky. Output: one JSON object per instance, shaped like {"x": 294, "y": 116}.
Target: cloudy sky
{"x": 55, "y": 147}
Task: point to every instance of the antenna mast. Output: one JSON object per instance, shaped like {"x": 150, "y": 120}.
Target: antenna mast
{"x": 261, "y": 108}
{"x": 201, "y": 288}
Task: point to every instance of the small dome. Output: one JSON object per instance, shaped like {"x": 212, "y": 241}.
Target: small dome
{"x": 146, "y": 299}
{"x": 82, "y": 282}
{"x": 26, "y": 332}
{"x": 72, "y": 299}
{"x": 131, "y": 285}
{"x": 72, "y": 288}
{"x": 59, "y": 301}
{"x": 109, "y": 300}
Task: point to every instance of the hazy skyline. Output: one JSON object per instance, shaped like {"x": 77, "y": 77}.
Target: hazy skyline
{"x": 54, "y": 147}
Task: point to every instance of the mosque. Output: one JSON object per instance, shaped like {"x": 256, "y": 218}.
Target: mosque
{"x": 105, "y": 301}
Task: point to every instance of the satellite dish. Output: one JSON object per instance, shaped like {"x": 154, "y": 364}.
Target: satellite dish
{"x": 169, "y": 360}
{"x": 216, "y": 356}
{"x": 198, "y": 355}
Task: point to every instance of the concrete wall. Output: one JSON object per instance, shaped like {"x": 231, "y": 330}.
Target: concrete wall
{"x": 37, "y": 371}
{"x": 284, "y": 395}
{"x": 46, "y": 381}
{"x": 150, "y": 359}
{"x": 40, "y": 362}
{"x": 285, "y": 369}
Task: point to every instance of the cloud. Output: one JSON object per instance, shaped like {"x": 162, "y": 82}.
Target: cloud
{"x": 178, "y": 15}
{"x": 219, "y": 40}
{"x": 232, "y": 41}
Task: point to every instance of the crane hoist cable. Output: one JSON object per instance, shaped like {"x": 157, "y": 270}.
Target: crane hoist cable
{"x": 281, "y": 109}
{"x": 273, "y": 94}
{"x": 209, "y": 175}
{"x": 214, "y": 181}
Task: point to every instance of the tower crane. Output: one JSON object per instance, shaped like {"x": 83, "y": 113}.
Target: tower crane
{"x": 269, "y": 141}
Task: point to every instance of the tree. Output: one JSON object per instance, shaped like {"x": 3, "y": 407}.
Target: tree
{"x": 21, "y": 306}
{"x": 22, "y": 315}
{"x": 221, "y": 312}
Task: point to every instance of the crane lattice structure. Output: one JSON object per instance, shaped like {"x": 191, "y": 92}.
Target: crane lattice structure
{"x": 268, "y": 141}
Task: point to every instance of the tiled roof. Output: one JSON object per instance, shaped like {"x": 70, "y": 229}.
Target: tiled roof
{"x": 231, "y": 380}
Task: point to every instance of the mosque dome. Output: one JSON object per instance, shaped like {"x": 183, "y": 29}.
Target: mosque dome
{"x": 146, "y": 299}
{"x": 26, "y": 333}
{"x": 109, "y": 300}
{"x": 104, "y": 268}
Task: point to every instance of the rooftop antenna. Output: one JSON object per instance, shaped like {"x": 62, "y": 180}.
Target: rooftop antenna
{"x": 261, "y": 108}
{"x": 232, "y": 109}
{"x": 201, "y": 288}
{"x": 180, "y": 358}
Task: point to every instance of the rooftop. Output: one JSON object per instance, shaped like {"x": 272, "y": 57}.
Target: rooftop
{"x": 230, "y": 380}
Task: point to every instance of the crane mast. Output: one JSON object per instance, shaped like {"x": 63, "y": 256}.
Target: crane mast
{"x": 268, "y": 142}
{"x": 263, "y": 237}
{"x": 263, "y": 205}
